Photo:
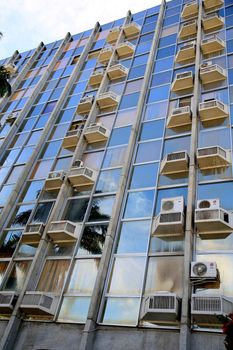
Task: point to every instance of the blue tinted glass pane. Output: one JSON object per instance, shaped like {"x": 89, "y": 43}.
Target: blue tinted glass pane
{"x": 158, "y": 94}
{"x": 108, "y": 181}
{"x": 139, "y": 204}
{"x": 148, "y": 151}
{"x": 168, "y": 40}
{"x": 139, "y": 180}
{"x": 152, "y": 130}
{"x": 161, "y": 78}
{"x": 101, "y": 208}
{"x": 120, "y": 136}
{"x": 171, "y": 20}
{"x": 131, "y": 243}
{"x": 137, "y": 72}
{"x": 167, "y": 51}
{"x": 143, "y": 48}
{"x": 164, "y": 64}
{"x": 130, "y": 100}
{"x": 170, "y": 193}
{"x": 218, "y": 190}
{"x": 33, "y": 191}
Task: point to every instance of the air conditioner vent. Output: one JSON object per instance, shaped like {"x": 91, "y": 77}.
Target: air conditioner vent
{"x": 168, "y": 205}
{"x": 204, "y": 204}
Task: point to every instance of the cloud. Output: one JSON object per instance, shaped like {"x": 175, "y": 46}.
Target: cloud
{"x": 25, "y": 23}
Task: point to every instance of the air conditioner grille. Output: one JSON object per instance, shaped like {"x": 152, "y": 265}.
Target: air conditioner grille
{"x": 204, "y": 204}
{"x": 176, "y": 156}
{"x": 46, "y": 301}
{"x": 170, "y": 217}
{"x": 207, "y": 214}
{"x": 168, "y": 205}
{"x": 5, "y": 298}
{"x": 162, "y": 302}
{"x": 206, "y": 304}
{"x": 200, "y": 269}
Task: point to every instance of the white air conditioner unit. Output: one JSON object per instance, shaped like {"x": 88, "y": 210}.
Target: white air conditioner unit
{"x": 208, "y": 204}
{"x": 169, "y": 224}
{"x": 78, "y": 163}
{"x": 7, "y": 301}
{"x": 162, "y": 308}
{"x": 206, "y": 309}
{"x": 172, "y": 205}
{"x": 95, "y": 124}
{"x": 206, "y": 64}
{"x": 204, "y": 270}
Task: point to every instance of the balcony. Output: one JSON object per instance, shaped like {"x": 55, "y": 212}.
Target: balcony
{"x": 206, "y": 309}
{"x": 213, "y": 223}
{"x": 190, "y": 10}
{"x": 105, "y": 54}
{"x": 125, "y": 49}
{"x": 175, "y": 163}
{"x": 32, "y": 234}
{"x": 72, "y": 136}
{"x": 212, "y": 22}
{"x": 54, "y": 180}
{"x": 212, "y": 73}
{"x": 39, "y": 304}
{"x": 117, "y": 71}
{"x": 96, "y": 133}
{"x": 131, "y": 29}
{"x": 212, "y": 158}
{"x": 107, "y": 99}
{"x": 179, "y": 117}
{"x": 7, "y": 302}
{"x": 210, "y": 5}
{"x": 212, "y": 44}
{"x": 169, "y": 226}
{"x": 186, "y": 53}
{"x": 212, "y": 110}
{"x": 62, "y": 232}
{"x": 183, "y": 81}
{"x": 113, "y": 34}
{"x": 188, "y": 29}
{"x": 82, "y": 176}
{"x": 85, "y": 104}
{"x": 96, "y": 77}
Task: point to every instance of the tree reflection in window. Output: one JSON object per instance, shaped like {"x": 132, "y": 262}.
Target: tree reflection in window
{"x": 93, "y": 239}
{"x": 9, "y": 244}
{"x": 22, "y": 216}
{"x": 101, "y": 208}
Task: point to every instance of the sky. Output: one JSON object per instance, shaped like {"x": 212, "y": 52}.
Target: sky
{"x": 25, "y": 23}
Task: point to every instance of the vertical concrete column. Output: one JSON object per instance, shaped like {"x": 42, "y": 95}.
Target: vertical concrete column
{"x": 13, "y": 57}
{"x": 20, "y": 76}
{"x": 188, "y": 242}
{"x": 88, "y": 333}
{"x": 10, "y": 333}
{"x": 33, "y": 96}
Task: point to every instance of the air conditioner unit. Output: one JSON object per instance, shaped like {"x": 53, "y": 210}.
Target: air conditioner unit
{"x": 7, "y": 301}
{"x": 206, "y": 309}
{"x": 172, "y": 205}
{"x": 204, "y": 270}
{"x": 206, "y": 64}
{"x": 213, "y": 157}
{"x": 95, "y": 124}
{"x": 208, "y": 204}
{"x": 175, "y": 163}
{"x": 78, "y": 163}
{"x": 169, "y": 224}
{"x": 39, "y": 303}
{"x": 162, "y": 308}
{"x": 212, "y": 221}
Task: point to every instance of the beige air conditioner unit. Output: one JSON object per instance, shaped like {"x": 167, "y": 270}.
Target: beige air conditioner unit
{"x": 162, "y": 308}
{"x": 175, "y": 163}
{"x": 54, "y": 180}
{"x": 213, "y": 157}
{"x": 212, "y": 222}
{"x": 205, "y": 309}
{"x": 169, "y": 224}
{"x": 96, "y": 132}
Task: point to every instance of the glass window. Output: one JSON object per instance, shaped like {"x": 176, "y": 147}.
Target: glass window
{"x": 42, "y": 212}
{"x": 137, "y": 72}
{"x": 129, "y": 100}
{"x": 114, "y": 157}
{"x": 59, "y": 131}
{"x": 101, "y": 208}
{"x": 93, "y": 239}
{"x": 152, "y": 130}
{"x": 133, "y": 86}
{"x": 83, "y": 276}
{"x": 25, "y": 155}
{"x": 10, "y": 156}
{"x": 161, "y": 78}
{"x": 5, "y": 194}
{"x": 22, "y": 215}
{"x": 49, "y": 107}
{"x": 62, "y": 164}
{"x": 134, "y": 237}
{"x": 139, "y": 180}
{"x": 74, "y": 309}
{"x": 51, "y": 149}
{"x": 42, "y": 169}
{"x": 139, "y": 204}
{"x": 93, "y": 159}
{"x": 120, "y": 136}
{"x": 156, "y": 111}
{"x": 121, "y": 311}
{"x": 76, "y": 209}
{"x": 108, "y": 181}
{"x": 125, "y": 117}
{"x": 9, "y": 244}
{"x": 53, "y": 276}
{"x": 165, "y": 273}
{"x": 3, "y": 267}
{"x": 123, "y": 281}
{"x": 17, "y": 276}
{"x": 33, "y": 191}
{"x": 158, "y": 93}
{"x": 218, "y": 190}
{"x": 167, "y": 51}
{"x": 15, "y": 174}
{"x": 148, "y": 151}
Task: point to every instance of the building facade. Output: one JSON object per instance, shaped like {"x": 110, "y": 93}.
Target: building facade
{"x": 116, "y": 209}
